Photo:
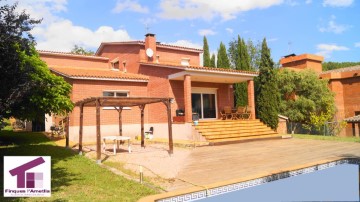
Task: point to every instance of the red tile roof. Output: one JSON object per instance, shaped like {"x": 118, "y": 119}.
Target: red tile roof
{"x": 160, "y": 45}
{"x": 98, "y": 74}
{"x": 346, "y": 69}
{"x": 206, "y": 69}
{"x": 45, "y": 52}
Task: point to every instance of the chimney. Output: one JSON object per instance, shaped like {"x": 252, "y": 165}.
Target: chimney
{"x": 304, "y": 61}
{"x": 150, "y": 47}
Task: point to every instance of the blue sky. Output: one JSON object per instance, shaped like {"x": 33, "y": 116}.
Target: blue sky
{"x": 327, "y": 27}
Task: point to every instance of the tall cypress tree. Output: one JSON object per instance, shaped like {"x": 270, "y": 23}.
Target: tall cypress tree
{"x": 242, "y": 62}
{"x": 268, "y": 98}
{"x": 212, "y": 61}
{"x": 206, "y": 55}
{"x": 222, "y": 58}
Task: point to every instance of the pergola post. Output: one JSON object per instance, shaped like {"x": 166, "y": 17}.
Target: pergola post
{"x": 98, "y": 135}
{"x": 142, "y": 107}
{"x": 81, "y": 127}
{"x": 171, "y": 145}
{"x": 358, "y": 131}
{"x": 251, "y": 97}
{"x": 120, "y": 120}
{"x": 67, "y": 126}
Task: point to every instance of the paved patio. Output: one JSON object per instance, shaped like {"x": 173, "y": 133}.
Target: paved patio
{"x": 210, "y": 165}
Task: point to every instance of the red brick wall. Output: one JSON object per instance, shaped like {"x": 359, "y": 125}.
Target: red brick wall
{"x": 158, "y": 86}
{"x": 170, "y": 56}
{"x": 347, "y": 99}
{"x": 86, "y": 88}
{"x": 128, "y": 53}
{"x": 351, "y": 88}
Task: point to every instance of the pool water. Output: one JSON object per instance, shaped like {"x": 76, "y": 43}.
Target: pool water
{"x": 338, "y": 183}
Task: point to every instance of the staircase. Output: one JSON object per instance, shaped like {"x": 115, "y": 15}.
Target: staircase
{"x": 222, "y": 131}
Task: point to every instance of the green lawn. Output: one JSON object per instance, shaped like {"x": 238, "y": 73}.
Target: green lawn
{"x": 331, "y": 138}
{"x": 74, "y": 177}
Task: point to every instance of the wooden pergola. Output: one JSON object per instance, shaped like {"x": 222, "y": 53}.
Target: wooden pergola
{"x": 119, "y": 103}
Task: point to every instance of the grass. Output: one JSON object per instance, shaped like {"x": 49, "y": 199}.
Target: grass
{"x": 330, "y": 138}
{"x": 74, "y": 177}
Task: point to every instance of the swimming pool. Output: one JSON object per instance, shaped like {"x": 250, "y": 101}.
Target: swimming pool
{"x": 333, "y": 181}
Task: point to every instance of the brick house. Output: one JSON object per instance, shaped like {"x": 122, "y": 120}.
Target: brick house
{"x": 146, "y": 69}
{"x": 344, "y": 82}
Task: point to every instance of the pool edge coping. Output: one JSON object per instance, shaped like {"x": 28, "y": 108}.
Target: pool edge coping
{"x": 200, "y": 188}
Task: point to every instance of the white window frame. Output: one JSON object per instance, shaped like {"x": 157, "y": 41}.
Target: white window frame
{"x": 116, "y": 91}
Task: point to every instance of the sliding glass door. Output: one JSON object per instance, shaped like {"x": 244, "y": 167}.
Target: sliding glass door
{"x": 204, "y": 104}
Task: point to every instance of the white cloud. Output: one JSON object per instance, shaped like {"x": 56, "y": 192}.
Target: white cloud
{"x": 208, "y": 9}
{"x": 337, "y": 3}
{"x": 44, "y": 9}
{"x": 327, "y": 49}
{"x": 185, "y": 43}
{"x": 123, "y": 5}
{"x": 333, "y": 27}
{"x": 53, "y": 38}
{"x": 292, "y": 2}
{"x": 58, "y": 34}
{"x": 308, "y": 1}
{"x": 272, "y": 39}
{"x": 206, "y": 32}
{"x": 229, "y": 30}
{"x": 357, "y": 45}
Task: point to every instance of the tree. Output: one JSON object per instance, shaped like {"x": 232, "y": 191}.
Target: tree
{"x": 336, "y": 65}
{"x": 267, "y": 99}
{"x": 80, "y": 50}
{"x": 206, "y": 55}
{"x": 239, "y": 57}
{"x": 28, "y": 89}
{"x": 254, "y": 51}
{"x": 212, "y": 61}
{"x": 305, "y": 98}
{"x": 222, "y": 58}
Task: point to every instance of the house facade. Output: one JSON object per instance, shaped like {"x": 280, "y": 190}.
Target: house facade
{"x": 344, "y": 82}
{"x": 146, "y": 69}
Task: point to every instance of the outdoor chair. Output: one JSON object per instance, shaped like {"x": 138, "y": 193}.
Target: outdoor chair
{"x": 240, "y": 112}
{"x": 150, "y": 133}
{"x": 228, "y": 113}
{"x": 247, "y": 114}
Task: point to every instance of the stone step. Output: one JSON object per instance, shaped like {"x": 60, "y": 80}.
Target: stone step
{"x": 234, "y": 135}
{"x": 208, "y": 133}
{"x": 259, "y": 137}
{"x": 234, "y": 130}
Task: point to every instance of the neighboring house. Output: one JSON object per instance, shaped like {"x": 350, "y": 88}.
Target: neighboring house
{"x": 146, "y": 69}
{"x": 344, "y": 82}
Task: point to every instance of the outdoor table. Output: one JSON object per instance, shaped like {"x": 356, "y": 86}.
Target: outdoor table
{"x": 115, "y": 139}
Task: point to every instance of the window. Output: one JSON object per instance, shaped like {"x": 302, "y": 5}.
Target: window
{"x": 116, "y": 93}
{"x": 185, "y": 61}
{"x": 357, "y": 113}
{"x": 115, "y": 65}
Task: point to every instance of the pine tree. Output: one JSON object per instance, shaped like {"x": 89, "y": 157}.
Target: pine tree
{"x": 212, "y": 61}
{"x": 268, "y": 98}
{"x": 206, "y": 55}
{"x": 222, "y": 58}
